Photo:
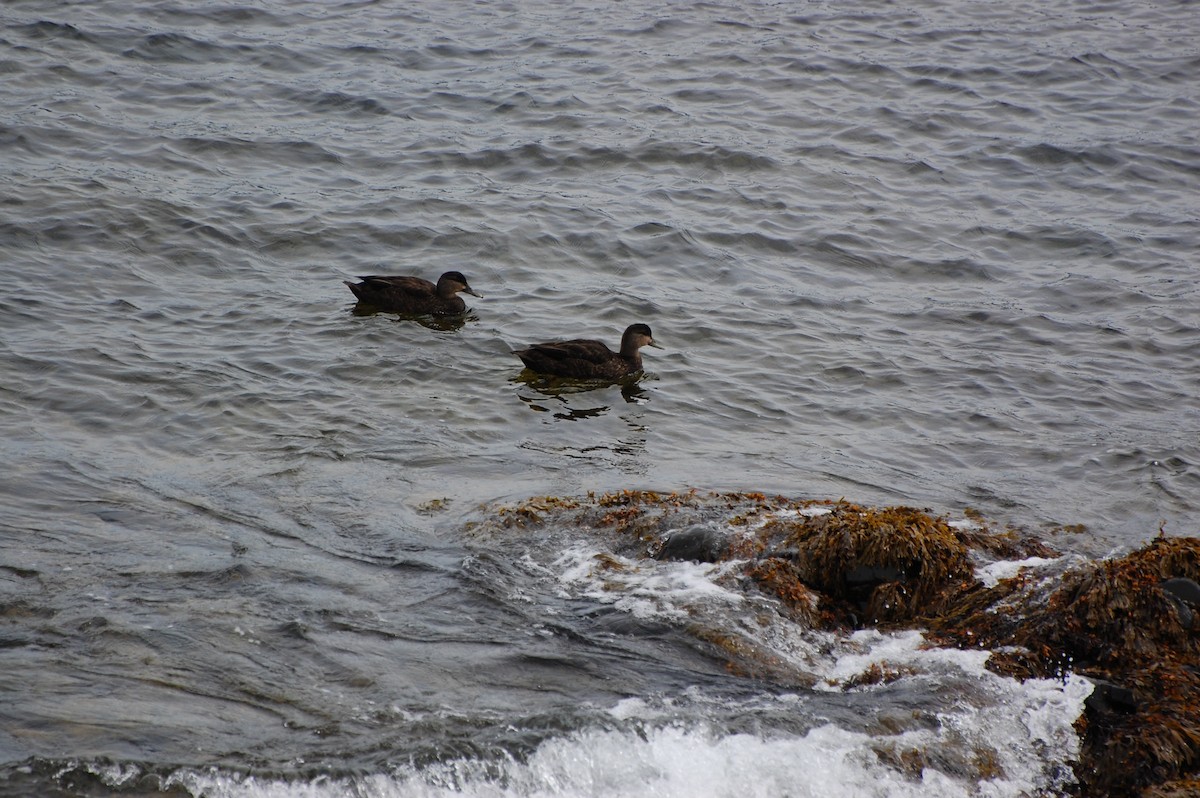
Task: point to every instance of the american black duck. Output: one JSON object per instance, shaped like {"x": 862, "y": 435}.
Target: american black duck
{"x": 414, "y": 295}
{"x": 589, "y": 360}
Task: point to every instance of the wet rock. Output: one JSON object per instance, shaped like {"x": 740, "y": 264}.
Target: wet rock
{"x": 1185, "y": 594}
{"x": 891, "y": 563}
{"x": 1114, "y": 622}
{"x": 1187, "y": 616}
{"x": 872, "y": 576}
{"x": 699, "y": 543}
{"x": 1109, "y": 698}
{"x": 1186, "y": 590}
{"x": 1128, "y": 624}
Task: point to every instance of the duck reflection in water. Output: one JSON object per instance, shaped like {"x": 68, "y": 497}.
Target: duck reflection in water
{"x": 439, "y": 323}
{"x": 561, "y": 391}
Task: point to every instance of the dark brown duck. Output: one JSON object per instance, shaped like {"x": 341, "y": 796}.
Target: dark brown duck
{"x": 587, "y": 359}
{"x": 414, "y": 295}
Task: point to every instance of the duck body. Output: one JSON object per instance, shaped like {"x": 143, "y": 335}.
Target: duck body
{"x": 587, "y": 359}
{"x": 414, "y": 295}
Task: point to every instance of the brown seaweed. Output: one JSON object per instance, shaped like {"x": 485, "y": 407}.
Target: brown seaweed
{"x": 1131, "y": 624}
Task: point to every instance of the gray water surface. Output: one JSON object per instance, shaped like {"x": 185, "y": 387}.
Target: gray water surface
{"x": 940, "y": 254}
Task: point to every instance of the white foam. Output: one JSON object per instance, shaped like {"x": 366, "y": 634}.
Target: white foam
{"x": 673, "y": 745}
{"x": 665, "y": 590}
{"x": 759, "y": 521}
{"x": 1021, "y": 732}
{"x": 991, "y": 574}
{"x": 696, "y": 762}
{"x": 907, "y": 650}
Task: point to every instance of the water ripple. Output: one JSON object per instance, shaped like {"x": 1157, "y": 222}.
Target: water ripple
{"x": 923, "y": 255}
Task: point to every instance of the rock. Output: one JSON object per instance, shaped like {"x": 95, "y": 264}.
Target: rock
{"x": 699, "y": 543}
{"x": 1185, "y": 590}
{"x": 1109, "y": 698}
{"x": 1185, "y": 595}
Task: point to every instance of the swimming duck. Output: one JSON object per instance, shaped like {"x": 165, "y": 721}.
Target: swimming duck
{"x": 414, "y": 295}
{"x": 587, "y": 359}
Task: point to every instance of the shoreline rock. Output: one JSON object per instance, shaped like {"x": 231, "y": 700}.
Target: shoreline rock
{"x": 1128, "y": 624}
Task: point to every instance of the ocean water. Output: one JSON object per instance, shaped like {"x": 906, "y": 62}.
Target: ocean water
{"x": 937, "y": 254}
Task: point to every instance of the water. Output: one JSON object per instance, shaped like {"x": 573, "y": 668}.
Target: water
{"x": 933, "y": 254}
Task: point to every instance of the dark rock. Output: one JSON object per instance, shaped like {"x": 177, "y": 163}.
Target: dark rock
{"x": 871, "y": 576}
{"x": 1187, "y": 617}
{"x": 1185, "y": 590}
{"x": 1109, "y": 698}
{"x": 1185, "y": 595}
{"x": 699, "y": 543}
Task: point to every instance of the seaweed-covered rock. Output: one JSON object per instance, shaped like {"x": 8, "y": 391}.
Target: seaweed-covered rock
{"x": 892, "y": 563}
{"x": 1130, "y": 624}
{"x": 1124, "y": 623}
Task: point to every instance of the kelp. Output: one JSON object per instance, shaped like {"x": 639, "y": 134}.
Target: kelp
{"x": 888, "y": 563}
{"x": 1131, "y": 624}
{"x": 1119, "y": 623}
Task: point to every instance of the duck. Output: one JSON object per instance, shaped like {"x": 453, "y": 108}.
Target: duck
{"x": 414, "y": 295}
{"x": 586, "y": 359}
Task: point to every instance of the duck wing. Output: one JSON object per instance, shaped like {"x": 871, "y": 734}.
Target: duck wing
{"x": 415, "y": 287}
{"x": 579, "y": 350}
{"x": 403, "y": 295}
